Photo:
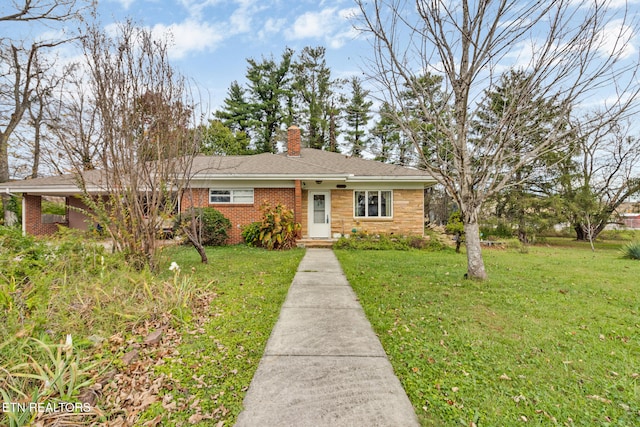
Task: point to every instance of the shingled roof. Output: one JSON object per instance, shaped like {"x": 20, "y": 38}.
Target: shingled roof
{"x": 311, "y": 164}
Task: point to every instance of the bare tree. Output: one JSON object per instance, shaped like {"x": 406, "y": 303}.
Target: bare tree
{"x": 21, "y": 70}
{"x": 146, "y": 115}
{"x": 571, "y": 49}
{"x": 74, "y": 125}
{"x": 40, "y": 10}
{"x": 21, "y": 81}
{"x": 607, "y": 174}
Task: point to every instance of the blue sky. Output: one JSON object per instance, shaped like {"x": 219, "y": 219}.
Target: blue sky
{"x": 213, "y": 38}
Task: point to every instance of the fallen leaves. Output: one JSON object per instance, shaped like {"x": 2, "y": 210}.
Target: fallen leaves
{"x": 598, "y": 398}
{"x": 119, "y": 397}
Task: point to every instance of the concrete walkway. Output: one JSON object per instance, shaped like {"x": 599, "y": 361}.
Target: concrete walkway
{"x": 323, "y": 365}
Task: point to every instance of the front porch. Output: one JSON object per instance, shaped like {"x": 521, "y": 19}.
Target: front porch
{"x": 315, "y": 243}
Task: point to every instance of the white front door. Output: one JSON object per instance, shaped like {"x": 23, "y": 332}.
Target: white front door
{"x": 319, "y": 214}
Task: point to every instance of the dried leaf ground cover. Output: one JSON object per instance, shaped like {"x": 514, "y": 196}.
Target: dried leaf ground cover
{"x": 552, "y": 338}
{"x": 213, "y": 367}
{"x": 174, "y": 347}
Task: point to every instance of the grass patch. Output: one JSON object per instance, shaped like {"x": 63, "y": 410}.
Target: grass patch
{"x": 553, "y": 337}
{"x": 70, "y": 311}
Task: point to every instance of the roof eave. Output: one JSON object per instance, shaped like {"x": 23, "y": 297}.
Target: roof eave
{"x": 404, "y": 179}
{"x": 50, "y": 189}
{"x": 269, "y": 177}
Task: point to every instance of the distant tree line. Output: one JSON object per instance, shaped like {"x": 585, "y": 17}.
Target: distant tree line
{"x": 333, "y": 113}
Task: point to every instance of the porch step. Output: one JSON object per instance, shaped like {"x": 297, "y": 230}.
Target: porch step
{"x": 315, "y": 243}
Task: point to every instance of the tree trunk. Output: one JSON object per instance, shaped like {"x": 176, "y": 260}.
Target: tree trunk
{"x": 201, "y": 251}
{"x": 4, "y": 157}
{"x": 4, "y": 174}
{"x": 583, "y": 236}
{"x": 191, "y": 231}
{"x": 475, "y": 264}
{"x": 522, "y": 231}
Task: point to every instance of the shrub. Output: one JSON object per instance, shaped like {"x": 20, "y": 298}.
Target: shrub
{"x": 53, "y": 208}
{"x": 212, "y": 225}
{"x": 500, "y": 229}
{"x": 388, "y": 242}
{"x": 629, "y": 235}
{"x": 251, "y": 233}
{"x": 455, "y": 226}
{"x": 631, "y": 250}
{"x": 277, "y": 230}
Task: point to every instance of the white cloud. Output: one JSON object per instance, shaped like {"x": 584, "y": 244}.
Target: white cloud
{"x": 313, "y": 24}
{"x": 241, "y": 20}
{"x": 195, "y": 8}
{"x": 612, "y": 4}
{"x": 271, "y": 26}
{"x": 331, "y": 24}
{"x": 125, "y": 4}
{"x": 617, "y": 39}
{"x": 189, "y": 36}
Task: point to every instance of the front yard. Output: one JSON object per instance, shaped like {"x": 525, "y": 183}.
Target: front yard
{"x": 97, "y": 319}
{"x": 552, "y": 338}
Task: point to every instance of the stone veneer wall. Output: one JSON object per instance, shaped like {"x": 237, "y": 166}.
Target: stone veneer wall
{"x": 240, "y": 214}
{"x": 408, "y": 214}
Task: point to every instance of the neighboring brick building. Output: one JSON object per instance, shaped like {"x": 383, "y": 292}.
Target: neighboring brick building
{"x": 331, "y": 194}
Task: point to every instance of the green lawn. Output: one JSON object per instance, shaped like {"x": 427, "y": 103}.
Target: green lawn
{"x": 553, "y": 337}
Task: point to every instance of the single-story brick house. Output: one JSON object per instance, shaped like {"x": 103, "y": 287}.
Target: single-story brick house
{"x": 331, "y": 194}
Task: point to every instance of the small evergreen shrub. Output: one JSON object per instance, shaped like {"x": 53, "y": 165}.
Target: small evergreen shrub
{"x": 212, "y": 225}
{"x": 500, "y": 230}
{"x": 631, "y": 250}
{"x": 455, "y": 226}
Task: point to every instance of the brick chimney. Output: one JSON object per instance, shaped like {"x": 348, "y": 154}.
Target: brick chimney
{"x": 293, "y": 141}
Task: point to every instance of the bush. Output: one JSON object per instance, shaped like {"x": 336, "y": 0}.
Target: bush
{"x": 631, "y": 250}
{"x": 629, "y": 235}
{"x": 501, "y": 230}
{"x": 388, "y": 242}
{"x": 212, "y": 225}
{"x": 251, "y": 233}
{"x": 53, "y": 208}
{"x": 277, "y": 230}
{"x": 455, "y": 226}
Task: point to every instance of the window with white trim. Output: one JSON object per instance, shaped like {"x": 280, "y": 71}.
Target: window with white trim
{"x": 240, "y": 196}
{"x": 372, "y": 203}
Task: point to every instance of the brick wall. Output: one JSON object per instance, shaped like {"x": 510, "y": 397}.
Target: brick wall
{"x": 33, "y": 217}
{"x": 408, "y": 214}
{"x": 77, "y": 219}
{"x": 240, "y": 214}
